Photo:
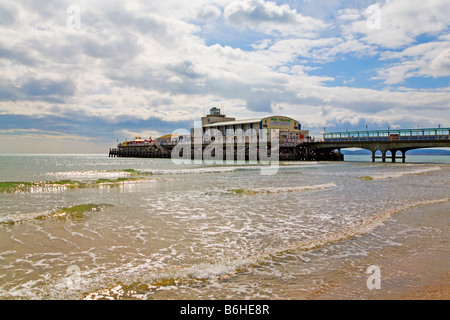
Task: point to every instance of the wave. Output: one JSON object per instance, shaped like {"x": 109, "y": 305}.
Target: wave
{"x": 74, "y": 213}
{"x": 62, "y": 185}
{"x": 222, "y": 169}
{"x": 299, "y": 163}
{"x": 188, "y": 171}
{"x": 226, "y": 268}
{"x": 96, "y": 174}
{"x": 254, "y": 191}
{"x": 392, "y": 175}
{"x": 90, "y": 174}
{"x": 117, "y": 173}
{"x": 145, "y": 172}
{"x": 365, "y": 227}
{"x": 201, "y": 170}
{"x": 143, "y": 280}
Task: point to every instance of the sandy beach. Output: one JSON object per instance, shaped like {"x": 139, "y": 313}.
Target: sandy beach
{"x": 416, "y": 270}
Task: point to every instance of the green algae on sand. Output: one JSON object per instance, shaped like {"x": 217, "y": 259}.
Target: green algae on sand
{"x": 58, "y": 185}
{"x": 76, "y": 212}
{"x": 73, "y": 213}
{"x": 24, "y": 186}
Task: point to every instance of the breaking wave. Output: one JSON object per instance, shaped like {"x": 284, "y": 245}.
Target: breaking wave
{"x": 393, "y": 175}
{"x": 253, "y": 191}
{"x": 120, "y": 173}
{"x": 200, "y": 170}
{"x": 93, "y": 174}
{"x": 62, "y": 185}
{"x": 222, "y": 169}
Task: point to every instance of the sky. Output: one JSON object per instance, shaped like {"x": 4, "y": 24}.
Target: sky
{"x": 78, "y": 76}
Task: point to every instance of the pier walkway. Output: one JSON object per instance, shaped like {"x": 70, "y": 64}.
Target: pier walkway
{"x": 384, "y": 141}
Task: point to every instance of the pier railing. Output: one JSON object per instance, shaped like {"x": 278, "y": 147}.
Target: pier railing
{"x": 402, "y": 138}
{"x": 430, "y": 134}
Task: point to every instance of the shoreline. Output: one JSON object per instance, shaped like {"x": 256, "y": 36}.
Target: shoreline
{"x": 418, "y": 269}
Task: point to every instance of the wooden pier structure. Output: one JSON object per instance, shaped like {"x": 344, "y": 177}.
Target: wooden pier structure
{"x": 244, "y": 151}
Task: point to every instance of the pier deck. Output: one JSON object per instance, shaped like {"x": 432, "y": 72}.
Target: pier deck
{"x": 243, "y": 151}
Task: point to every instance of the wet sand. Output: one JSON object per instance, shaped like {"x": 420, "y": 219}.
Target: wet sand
{"x": 438, "y": 291}
{"x": 414, "y": 270}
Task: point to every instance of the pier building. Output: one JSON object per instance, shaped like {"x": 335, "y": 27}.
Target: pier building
{"x": 242, "y": 139}
{"x": 249, "y": 130}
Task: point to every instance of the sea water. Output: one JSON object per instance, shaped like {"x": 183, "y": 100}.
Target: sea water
{"x": 94, "y": 227}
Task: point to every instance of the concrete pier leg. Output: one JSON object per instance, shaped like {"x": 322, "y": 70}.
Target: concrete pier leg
{"x": 373, "y": 155}
{"x": 403, "y": 156}
{"x": 394, "y": 153}
{"x": 383, "y": 155}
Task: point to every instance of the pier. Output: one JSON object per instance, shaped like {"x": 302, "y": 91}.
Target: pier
{"x": 237, "y": 151}
{"x": 379, "y": 142}
{"x": 144, "y": 151}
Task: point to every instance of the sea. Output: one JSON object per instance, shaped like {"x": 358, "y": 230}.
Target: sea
{"x": 89, "y": 227}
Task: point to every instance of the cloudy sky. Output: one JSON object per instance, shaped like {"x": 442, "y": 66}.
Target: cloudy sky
{"x": 76, "y": 76}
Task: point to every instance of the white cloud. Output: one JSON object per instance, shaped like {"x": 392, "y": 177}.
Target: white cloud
{"x": 403, "y": 20}
{"x": 349, "y": 14}
{"x": 268, "y": 17}
{"x": 441, "y": 64}
{"x": 208, "y": 13}
{"x": 430, "y": 59}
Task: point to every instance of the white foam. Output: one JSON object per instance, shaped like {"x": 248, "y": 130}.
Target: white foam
{"x": 284, "y": 189}
{"x": 294, "y": 189}
{"x": 299, "y": 163}
{"x": 196, "y": 170}
{"x": 392, "y": 175}
{"x": 23, "y": 217}
{"x": 90, "y": 174}
{"x": 232, "y": 265}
